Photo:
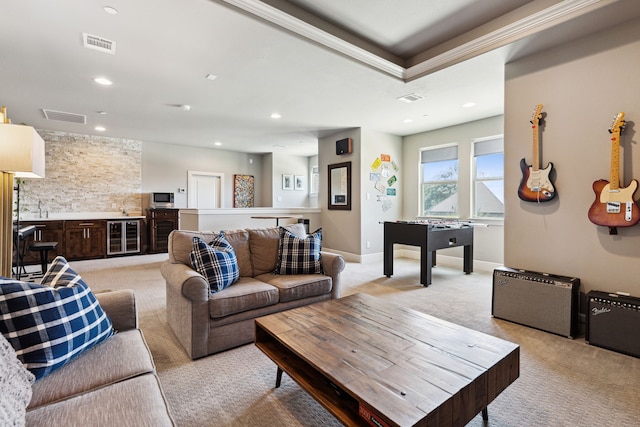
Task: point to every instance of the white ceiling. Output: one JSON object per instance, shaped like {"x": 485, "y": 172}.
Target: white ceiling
{"x": 324, "y": 65}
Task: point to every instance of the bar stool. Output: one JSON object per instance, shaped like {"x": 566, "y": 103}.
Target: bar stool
{"x": 43, "y": 248}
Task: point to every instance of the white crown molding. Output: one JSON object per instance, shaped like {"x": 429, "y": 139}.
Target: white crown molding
{"x": 531, "y": 24}
{"x": 295, "y": 25}
{"x": 510, "y": 33}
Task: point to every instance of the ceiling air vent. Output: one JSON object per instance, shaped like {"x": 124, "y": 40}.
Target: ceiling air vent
{"x": 412, "y": 97}
{"x": 98, "y": 43}
{"x": 64, "y": 117}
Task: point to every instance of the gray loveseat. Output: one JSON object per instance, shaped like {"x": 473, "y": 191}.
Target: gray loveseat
{"x": 113, "y": 383}
{"x": 206, "y": 323}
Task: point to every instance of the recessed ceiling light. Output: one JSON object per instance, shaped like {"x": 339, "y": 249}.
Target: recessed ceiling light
{"x": 407, "y": 120}
{"x": 210, "y": 77}
{"x": 279, "y": 146}
{"x": 110, "y": 10}
{"x": 275, "y": 115}
{"x": 101, "y": 112}
{"x": 468, "y": 105}
{"x": 100, "y": 128}
{"x": 103, "y": 81}
{"x": 185, "y": 107}
{"x": 217, "y": 143}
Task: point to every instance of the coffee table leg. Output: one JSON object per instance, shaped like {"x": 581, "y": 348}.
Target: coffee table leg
{"x": 485, "y": 414}
{"x": 279, "y": 378}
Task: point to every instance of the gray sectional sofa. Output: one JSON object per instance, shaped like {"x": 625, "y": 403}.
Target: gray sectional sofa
{"x": 113, "y": 383}
{"x": 206, "y": 323}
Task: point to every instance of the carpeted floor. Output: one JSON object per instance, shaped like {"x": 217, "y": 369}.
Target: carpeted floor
{"x": 562, "y": 382}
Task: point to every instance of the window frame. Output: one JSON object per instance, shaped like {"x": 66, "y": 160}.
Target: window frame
{"x": 474, "y": 180}
{"x": 422, "y": 182}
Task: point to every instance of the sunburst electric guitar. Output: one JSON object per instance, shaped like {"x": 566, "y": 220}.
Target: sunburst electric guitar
{"x": 614, "y": 206}
{"x": 536, "y": 185}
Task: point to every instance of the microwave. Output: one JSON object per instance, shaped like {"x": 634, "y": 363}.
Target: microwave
{"x": 161, "y": 200}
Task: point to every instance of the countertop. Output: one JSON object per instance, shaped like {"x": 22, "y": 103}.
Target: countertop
{"x": 81, "y": 216}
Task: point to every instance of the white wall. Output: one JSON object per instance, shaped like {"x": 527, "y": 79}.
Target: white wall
{"x": 581, "y": 85}
{"x": 378, "y": 206}
{"x": 488, "y": 242}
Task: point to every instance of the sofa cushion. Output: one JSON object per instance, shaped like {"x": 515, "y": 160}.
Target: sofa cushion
{"x": 247, "y": 294}
{"x": 123, "y": 356}
{"x": 298, "y": 286}
{"x": 15, "y": 386}
{"x": 51, "y": 323}
{"x": 181, "y": 243}
{"x": 299, "y": 255}
{"x": 216, "y": 262}
{"x": 135, "y": 402}
{"x": 264, "y": 244}
{"x": 239, "y": 239}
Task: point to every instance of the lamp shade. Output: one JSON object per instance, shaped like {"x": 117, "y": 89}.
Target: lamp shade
{"x": 21, "y": 151}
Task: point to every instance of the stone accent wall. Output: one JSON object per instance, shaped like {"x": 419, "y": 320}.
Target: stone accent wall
{"x": 85, "y": 173}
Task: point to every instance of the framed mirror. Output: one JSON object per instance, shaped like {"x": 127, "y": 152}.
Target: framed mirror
{"x": 340, "y": 186}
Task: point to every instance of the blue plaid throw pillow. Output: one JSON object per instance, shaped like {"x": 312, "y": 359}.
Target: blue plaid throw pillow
{"x": 48, "y": 324}
{"x": 299, "y": 255}
{"x": 216, "y": 261}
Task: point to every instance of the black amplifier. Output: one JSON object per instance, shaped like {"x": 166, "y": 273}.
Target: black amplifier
{"x": 613, "y": 322}
{"x": 540, "y": 300}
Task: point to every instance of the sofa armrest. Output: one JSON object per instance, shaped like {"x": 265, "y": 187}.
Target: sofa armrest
{"x": 121, "y": 308}
{"x": 185, "y": 281}
{"x": 333, "y": 264}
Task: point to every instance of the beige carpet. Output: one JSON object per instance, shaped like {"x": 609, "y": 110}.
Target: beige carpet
{"x": 562, "y": 382}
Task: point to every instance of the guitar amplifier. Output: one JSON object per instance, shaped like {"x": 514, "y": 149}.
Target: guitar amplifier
{"x": 613, "y": 322}
{"x": 543, "y": 301}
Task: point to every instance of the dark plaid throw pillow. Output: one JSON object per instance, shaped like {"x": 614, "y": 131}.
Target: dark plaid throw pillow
{"x": 299, "y": 255}
{"x": 216, "y": 261}
{"x": 49, "y": 324}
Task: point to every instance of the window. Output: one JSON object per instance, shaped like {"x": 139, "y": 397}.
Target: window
{"x": 315, "y": 181}
{"x": 488, "y": 178}
{"x": 440, "y": 181}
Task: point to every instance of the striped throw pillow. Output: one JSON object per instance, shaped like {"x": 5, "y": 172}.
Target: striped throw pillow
{"x": 299, "y": 255}
{"x": 216, "y": 261}
{"x": 49, "y": 324}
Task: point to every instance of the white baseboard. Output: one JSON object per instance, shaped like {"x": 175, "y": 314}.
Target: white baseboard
{"x": 444, "y": 260}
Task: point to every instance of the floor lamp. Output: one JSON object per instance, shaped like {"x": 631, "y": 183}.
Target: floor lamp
{"x": 22, "y": 156}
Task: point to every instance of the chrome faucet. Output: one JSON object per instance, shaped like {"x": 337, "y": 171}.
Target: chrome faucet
{"x": 39, "y": 209}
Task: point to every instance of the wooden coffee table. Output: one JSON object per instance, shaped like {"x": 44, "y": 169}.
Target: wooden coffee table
{"x": 370, "y": 362}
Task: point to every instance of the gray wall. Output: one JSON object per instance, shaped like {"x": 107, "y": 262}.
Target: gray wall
{"x": 349, "y": 231}
{"x": 285, "y": 164}
{"x": 341, "y": 229}
{"x": 488, "y": 242}
{"x": 165, "y": 168}
{"x": 581, "y": 85}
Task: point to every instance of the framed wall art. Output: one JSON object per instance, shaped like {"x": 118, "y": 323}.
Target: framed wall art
{"x": 287, "y": 182}
{"x": 243, "y": 191}
{"x": 299, "y": 182}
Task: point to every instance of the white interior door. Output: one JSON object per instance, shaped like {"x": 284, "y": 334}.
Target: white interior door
{"x": 205, "y": 190}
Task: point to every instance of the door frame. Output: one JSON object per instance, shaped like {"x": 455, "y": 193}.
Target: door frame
{"x": 191, "y": 193}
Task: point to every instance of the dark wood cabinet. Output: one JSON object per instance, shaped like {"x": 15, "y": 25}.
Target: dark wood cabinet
{"x": 46, "y": 231}
{"x": 161, "y": 223}
{"x": 85, "y": 239}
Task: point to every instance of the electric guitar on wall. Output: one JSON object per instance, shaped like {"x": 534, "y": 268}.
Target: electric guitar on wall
{"x": 536, "y": 185}
{"x": 614, "y": 206}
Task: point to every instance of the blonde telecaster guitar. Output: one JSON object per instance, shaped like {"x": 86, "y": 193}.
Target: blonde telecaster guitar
{"x": 614, "y": 206}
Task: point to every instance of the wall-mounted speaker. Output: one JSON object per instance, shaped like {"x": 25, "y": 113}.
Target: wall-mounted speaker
{"x": 344, "y": 146}
{"x": 543, "y": 301}
{"x": 613, "y": 322}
